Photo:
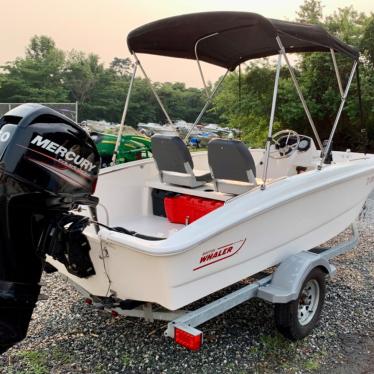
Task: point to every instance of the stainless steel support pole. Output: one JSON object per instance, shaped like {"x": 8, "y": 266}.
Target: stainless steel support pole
{"x": 198, "y": 61}
{"x": 271, "y": 122}
{"x": 124, "y": 113}
{"x": 153, "y": 90}
{"x": 344, "y": 98}
{"x": 210, "y": 97}
{"x": 298, "y": 89}
{"x": 76, "y": 112}
{"x": 337, "y": 72}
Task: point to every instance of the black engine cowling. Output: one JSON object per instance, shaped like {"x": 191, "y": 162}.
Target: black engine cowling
{"x": 48, "y": 166}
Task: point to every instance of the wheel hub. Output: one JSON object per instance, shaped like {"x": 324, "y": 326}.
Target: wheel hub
{"x": 308, "y": 302}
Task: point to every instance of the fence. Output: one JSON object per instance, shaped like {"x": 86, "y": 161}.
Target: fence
{"x": 70, "y": 110}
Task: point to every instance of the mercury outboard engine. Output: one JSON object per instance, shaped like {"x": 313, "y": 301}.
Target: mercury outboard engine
{"x": 48, "y": 166}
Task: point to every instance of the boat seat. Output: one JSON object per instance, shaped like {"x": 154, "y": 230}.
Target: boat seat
{"x": 175, "y": 164}
{"x": 232, "y": 166}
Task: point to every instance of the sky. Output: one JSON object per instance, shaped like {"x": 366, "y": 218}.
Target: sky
{"x": 101, "y": 27}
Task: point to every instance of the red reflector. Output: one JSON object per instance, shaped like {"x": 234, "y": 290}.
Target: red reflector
{"x": 114, "y": 314}
{"x": 88, "y": 301}
{"x": 187, "y": 340}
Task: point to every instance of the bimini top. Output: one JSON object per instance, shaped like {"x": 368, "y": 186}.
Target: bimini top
{"x": 239, "y": 36}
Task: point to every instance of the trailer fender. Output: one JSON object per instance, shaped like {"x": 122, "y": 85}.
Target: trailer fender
{"x": 288, "y": 278}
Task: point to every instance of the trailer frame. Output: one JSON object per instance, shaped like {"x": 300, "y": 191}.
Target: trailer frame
{"x": 277, "y": 288}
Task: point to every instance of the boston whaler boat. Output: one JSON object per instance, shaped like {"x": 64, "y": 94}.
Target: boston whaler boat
{"x": 164, "y": 232}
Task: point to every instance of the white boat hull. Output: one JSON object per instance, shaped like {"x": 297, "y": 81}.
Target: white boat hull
{"x": 250, "y": 233}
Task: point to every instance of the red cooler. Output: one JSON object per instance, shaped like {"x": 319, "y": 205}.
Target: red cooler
{"x": 185, "y": 209}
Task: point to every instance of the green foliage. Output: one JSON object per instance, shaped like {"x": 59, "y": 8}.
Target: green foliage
{"x": 35, "y": 361}
{"x": 37, "y": 77}
{"x": 121, "y": 66}
{"x": 367, "y": 41}
{"x": 310, "y": 12}
{"x": 347, "y": 24}
{"x": 40, "y": 361}
{"x": 47, "y": 74}
{"x": 246, "y": 104}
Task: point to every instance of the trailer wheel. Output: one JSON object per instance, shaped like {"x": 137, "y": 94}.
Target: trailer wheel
{"x": 297, "y": 319}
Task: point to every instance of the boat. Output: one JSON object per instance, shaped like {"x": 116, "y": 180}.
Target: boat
{"x": 175, "y": 228}
{"x": 155, "y": 128}
{"x": 132, "y": 148}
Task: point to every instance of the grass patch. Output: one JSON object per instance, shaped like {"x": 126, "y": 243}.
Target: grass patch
{"x": 276, "y": 346}
{"x": 100, "y": 369}
{"x": 274, "y": 352}
{"x": 127, "y": 360}
{"x": 35, "y": 361}
{"x": 312, "y": 364}
{"x": 61, "y": 356}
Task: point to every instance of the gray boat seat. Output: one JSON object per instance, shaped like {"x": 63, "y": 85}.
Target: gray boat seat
{"x": 232, "y": 166}
{"x": 175, "y": 164}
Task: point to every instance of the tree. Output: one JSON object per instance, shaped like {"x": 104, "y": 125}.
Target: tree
{"x": 40, "y": 47}
{"x": 347, "y": 24}
{"x": 37, "y": 77}
{"x": 247, "y": 106}
{"x": 310, "y": 12}
{"x": 367, "y": 41}
{"x": 121, "y": 66}
{"x": 81, "y": 74}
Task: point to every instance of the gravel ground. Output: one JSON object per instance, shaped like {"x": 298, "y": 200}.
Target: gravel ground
{"x": 67, "y": 336}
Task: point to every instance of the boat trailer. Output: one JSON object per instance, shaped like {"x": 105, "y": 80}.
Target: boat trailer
{"x": 284, "y": 285}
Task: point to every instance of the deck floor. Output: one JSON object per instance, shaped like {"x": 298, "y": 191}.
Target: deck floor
{"x": 151, "y": 225}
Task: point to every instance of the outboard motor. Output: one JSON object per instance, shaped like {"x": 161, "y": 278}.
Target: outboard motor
{"x": 48, "y": 166}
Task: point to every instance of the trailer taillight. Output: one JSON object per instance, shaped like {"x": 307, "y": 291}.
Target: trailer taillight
{"x": 191, "y": 340}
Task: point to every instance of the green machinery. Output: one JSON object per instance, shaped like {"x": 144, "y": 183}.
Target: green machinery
{"x": 132, "y": 147}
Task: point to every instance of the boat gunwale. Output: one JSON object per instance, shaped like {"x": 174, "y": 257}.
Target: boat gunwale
{"x": 144, "y": 246}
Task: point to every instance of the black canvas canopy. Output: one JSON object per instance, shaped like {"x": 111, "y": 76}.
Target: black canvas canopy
{"x": 239, "y": 36}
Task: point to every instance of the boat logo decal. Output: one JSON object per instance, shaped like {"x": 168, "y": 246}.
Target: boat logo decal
{"x": 64, "y": 153}
{"x": 218, "y": 254}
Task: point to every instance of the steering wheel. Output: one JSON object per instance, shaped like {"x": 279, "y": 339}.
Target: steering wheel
{"x": 286, "y": 143}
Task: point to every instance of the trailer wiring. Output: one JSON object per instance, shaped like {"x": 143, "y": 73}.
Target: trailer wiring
{"x": 127, "y": 232}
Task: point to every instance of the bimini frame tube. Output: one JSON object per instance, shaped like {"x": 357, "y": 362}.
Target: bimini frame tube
{"x": 338, "y": 78}
{"x": 153, "y": 90}
{"x": 125, "y": 109}
{"x": 198, "y": 61}
{"x": 298, "y": 89}
{"x": 271, "y": 122}
{"x": 344, "y": 98}
{"x": 210, "y": 97}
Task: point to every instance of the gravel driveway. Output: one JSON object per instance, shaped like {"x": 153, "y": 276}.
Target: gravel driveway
{"x": 67, "y": 336}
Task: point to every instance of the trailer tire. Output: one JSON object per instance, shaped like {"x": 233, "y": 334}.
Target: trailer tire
{"x": 294, "y": 319}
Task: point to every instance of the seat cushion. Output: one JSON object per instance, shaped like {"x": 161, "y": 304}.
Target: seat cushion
{"x": 233, "y": 187}
{"x": 230, "y": 159}
{"x": 170, "y": 153}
